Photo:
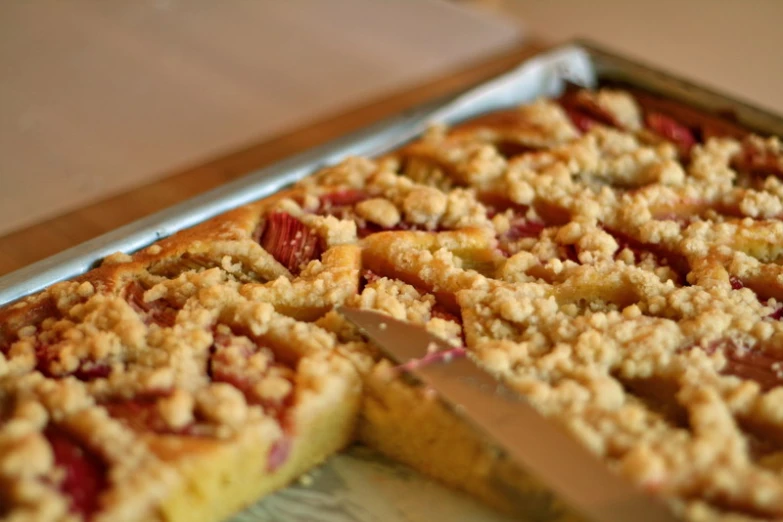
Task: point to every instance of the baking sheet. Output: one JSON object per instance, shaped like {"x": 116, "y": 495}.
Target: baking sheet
{"x": 539, "y": 76}
{"x": 358, "y": 485}
{"x": 583, "y": 63}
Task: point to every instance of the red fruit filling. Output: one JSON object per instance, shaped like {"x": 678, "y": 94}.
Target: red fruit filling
{"x": 497, "y": 203}
{"x": 523, "y": 227}
{"x": 365, "y": 228}
{"x": 224, "y": 367}
{"x": 441, "y": 312}
{"x": 368, "y": 276}
{"x": 585, "y": 113}
{"x": 47, "y": 356}
{"x": 759, "y": 160}
{"x": 763, "y": 290}
{"x": 750, "y": 363}
{"x": 32, "y": 316}
{"x": 671, "y": 130}
{"x": 84, "y": 472}
{"x": 154, "y": 312}
{"x": 340, "y": 204}
{"x": 510, "y": 149}
{"x": 439, "y": 309}
{"x": 279, "y": 452}
{"x": 675, "y": 261}
{"x": 341, "y": 198}
{"x": 549, "y": 214}
{"x": 520, "y": 228}
{"x": 289, "y": 241}
{"x": 581, "y": 119}
{"x": 141, "y": 414}
{"x": 448, "y": 310}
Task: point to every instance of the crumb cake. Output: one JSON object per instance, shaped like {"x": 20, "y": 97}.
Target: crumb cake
{"x": 613, "y": 257}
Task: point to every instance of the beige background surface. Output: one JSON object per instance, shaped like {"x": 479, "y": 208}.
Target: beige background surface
{"x": 732, "y": 45}
{"x": 97, "y": 97}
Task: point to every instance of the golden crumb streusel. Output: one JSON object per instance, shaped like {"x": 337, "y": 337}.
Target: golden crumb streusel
{"x": 618, "y": 264}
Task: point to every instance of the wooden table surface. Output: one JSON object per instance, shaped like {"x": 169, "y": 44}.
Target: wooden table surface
{"x": 98, "y": 98}
{"x": 44, "y": 239}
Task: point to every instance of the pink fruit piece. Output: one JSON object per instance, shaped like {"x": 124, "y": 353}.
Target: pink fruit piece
{"x": 581, "y": 120}
{"x": 735, "y": 282}
{"x": 89, "y": 370}
{"x": 278, "y": 453}
{"x": 674, "y": 260}
{"x": 759, "y": 159}
{"x": 223, "y": 368}
{"x": 371, "y": 276}
{"x": 141, "y": 414}
{"x": 341, "y": 198}
{"x": 48, "y": 355}
{"x": 440, "y": 311}
{"x": 153, "y": 312}
{"x": 585, "y": 113}
{"x": 368, "y": 276}
{"x": 671, "y": 130}
{"x": 290, "y": 241}
{"x": 340, "y": 203}
{"x": 522, "y": 227}
{"x": 748, "y": 362}
{"x": 84, "y": 473}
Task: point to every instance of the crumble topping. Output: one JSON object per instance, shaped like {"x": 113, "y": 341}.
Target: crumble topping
{"x": 618, "y": 267}
{"x": 380, "y": 211}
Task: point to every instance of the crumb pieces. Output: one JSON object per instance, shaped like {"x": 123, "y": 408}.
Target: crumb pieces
{"x": 379, "y": 211}
{"x": 588, "y": 264}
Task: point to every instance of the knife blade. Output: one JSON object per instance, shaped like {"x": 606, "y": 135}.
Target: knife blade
{"x": 542, "y": 448}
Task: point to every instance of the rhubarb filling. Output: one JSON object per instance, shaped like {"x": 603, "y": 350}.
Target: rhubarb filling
{"x": 659, "y": 253}
{"x": 252, "y": 369}
{"x": 671, "y": 130}
{"x": 585, "y": 113}
{"x": 290, "y": 241}
{"x": 84, "y": 474}
{"x": 760, "y": 158}
{"x": 597, "y": 254}
{"x": 49, "y": 363}
{"x": 142, "y": 415}
{"x": 157, "y": 312}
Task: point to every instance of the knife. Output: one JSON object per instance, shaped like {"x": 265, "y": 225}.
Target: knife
{"x": 541, "y": 448}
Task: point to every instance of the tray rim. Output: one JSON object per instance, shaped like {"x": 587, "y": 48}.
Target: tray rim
{"x": 368, "y": 140}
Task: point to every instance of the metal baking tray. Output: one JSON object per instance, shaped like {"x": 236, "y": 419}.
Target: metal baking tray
{"x": 359, "y": 485}
{"x": 547, "y": 74}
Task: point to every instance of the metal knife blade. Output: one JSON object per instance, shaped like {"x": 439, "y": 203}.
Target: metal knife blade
{"x": 542, "y": 448}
